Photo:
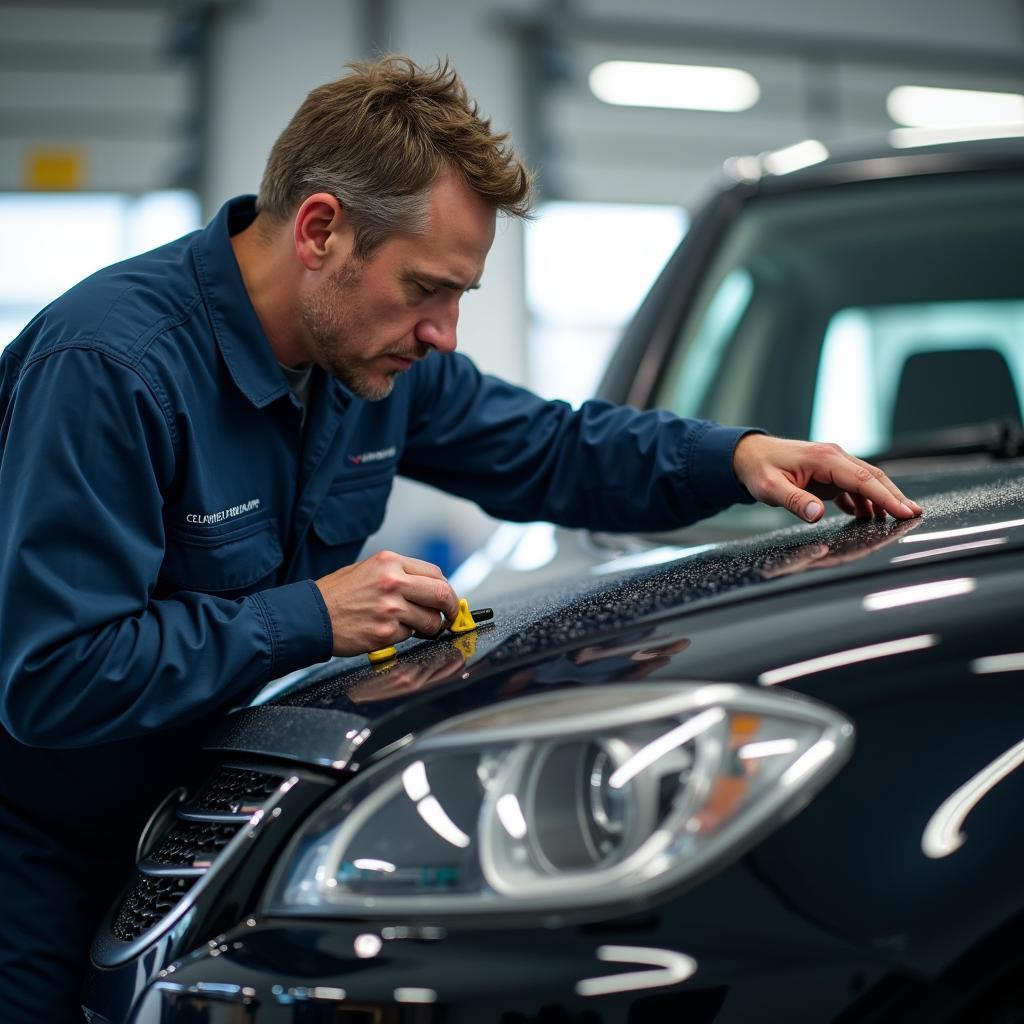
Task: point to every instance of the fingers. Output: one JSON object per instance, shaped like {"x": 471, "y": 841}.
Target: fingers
{"x": 791, "y": 473}
{"x": 883, "y": 479}
{"x": 805, "y": 505}
{"x": 418, "y": 600}
{"x": 384, "y": 600}
{"x": 846, "y": 504}
{"x": 864, "y": 509}
{"x": 867, "y": 486}
{"x": 417, "y": 567}
{"x": 867, "y": 501}
{"x": 826, "y": 471}
{"x": 435, "y": 631}
{"x": 855, "y": 505}
{"x": 430, "y": 596}
{"x": 425, "y": 623}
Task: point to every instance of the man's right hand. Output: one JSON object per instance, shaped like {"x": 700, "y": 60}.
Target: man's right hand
{"x": 384, "y": 600}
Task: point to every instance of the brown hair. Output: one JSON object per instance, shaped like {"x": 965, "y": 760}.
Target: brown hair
{"x": 377, "y": 140}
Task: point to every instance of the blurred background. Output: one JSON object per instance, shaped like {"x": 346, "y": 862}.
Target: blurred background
{"x": 126, "y": 124}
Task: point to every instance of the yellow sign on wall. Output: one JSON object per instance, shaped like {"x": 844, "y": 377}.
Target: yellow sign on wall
{"x": 54, "y": 169}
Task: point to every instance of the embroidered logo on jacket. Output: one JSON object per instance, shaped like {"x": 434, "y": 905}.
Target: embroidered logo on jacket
{"x": 198, "y": 518}
{"x": 383, "y": 453}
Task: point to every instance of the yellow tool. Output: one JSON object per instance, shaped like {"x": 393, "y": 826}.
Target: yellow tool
{"x": 465, "y": 621}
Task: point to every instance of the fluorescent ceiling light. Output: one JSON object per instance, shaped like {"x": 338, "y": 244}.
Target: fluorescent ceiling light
{"x": 919, "y": 106}
{"x": 850, "y": 657}
{"x": 665, "y": 744}
{"x": 372, "y": 864}
{"x": 535, "y": 549}
{"x": 793, "y": 158}
{"x": 766, "y": 748}
{"x": 900, "y": 596}
{"x": 943, "y": 834}
{"x": 415, "y": 995}
{"x": 510, "y": 814}
{"x": 963, "y": 531}
{"x": 414, "y": 779}
{"x": 998, "y": 663}
{"x": 677, "y": 86}
{"x": 743, "y": 168}
{"x": 933, "y": 552}
{"x": 652, "y": 556}
{"x": 670, "y": 969}
{"x": 431, "y": 811}
{"x": 907, "y": 138}
{"x": 367, "y": 946}
{"x": 807, "y": 762}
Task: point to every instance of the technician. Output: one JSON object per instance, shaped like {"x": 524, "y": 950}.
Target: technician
{"x": 195, "y": 443}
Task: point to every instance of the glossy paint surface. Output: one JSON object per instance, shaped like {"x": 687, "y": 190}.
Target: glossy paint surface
{"x": 841, "y": 904}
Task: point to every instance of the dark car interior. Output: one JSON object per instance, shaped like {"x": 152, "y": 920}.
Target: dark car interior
{"x": 953, "y": 387}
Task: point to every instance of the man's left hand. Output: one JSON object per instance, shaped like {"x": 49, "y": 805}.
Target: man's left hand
{"x": 795, "y": 474}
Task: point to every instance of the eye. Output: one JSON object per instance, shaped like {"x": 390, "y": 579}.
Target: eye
{"x": 424, "y": 290}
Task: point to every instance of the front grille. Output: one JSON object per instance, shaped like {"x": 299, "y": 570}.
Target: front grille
{"x": 236, "y": 791}
{"x": 149, "y": 900}
{"x": 193, "y": 844}
{"x": 198, "y": 832}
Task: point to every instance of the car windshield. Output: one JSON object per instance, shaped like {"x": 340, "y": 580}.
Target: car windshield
{"x": 868, "y": 314}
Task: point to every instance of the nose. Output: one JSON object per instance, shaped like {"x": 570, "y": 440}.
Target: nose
{"x": 438, "y": 329}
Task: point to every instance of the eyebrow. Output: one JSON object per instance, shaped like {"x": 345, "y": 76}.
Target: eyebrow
{"x": 444, "y": 282}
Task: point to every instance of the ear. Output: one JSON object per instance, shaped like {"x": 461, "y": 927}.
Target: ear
{"x": 321, "y": 228}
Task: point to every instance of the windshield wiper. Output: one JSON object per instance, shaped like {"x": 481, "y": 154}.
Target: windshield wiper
{"x": 999, "y": 439}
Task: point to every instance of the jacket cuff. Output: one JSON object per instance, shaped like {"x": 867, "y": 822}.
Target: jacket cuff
{"x": 298, "y": 626}
{"x": 710, "y": 467}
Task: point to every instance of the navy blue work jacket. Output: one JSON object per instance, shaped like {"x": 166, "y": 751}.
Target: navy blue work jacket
{"x": 163, "y": 514}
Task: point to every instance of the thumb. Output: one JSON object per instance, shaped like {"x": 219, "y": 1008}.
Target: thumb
{"x": 803, "y": 504}
{"x": 779, "y": 488}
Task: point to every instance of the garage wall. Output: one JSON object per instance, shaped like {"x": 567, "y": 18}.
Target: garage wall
{"x": 97, "y": 97}
{"x": 264, "y": 56}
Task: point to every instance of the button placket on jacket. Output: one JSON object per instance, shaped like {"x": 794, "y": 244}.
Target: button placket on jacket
{"x": 325, "y": 419}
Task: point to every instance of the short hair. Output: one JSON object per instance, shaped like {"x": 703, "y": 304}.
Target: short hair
{"x": 378, "y": 139}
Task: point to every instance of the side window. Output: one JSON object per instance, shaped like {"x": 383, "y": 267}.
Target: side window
{"x": 685, "y": 392}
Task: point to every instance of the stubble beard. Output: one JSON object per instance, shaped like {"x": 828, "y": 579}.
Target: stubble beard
{"x": 333, "y": 316}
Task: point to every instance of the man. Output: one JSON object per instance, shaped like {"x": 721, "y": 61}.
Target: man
{"x": 195, "y": 444}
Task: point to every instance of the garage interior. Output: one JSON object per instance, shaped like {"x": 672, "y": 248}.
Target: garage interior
{"x": 125, "y": 123}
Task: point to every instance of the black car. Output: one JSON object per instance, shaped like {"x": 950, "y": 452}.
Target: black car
{"x": 721, "y": 777}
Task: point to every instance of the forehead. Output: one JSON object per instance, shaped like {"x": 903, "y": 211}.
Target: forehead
{"x": 457, "y": 236}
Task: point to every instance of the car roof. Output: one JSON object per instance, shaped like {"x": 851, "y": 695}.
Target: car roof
{"x": 873, "y": 159}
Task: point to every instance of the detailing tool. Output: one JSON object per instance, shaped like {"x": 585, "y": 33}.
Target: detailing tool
{"x": 464, "y": 622}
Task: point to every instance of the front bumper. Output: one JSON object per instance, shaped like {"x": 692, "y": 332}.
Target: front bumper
{"x": 305, "y": 972}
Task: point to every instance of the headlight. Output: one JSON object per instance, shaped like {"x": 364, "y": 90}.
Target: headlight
{"x": 576, "y": 798}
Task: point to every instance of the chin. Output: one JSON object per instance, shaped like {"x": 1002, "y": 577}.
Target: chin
{"x": 372, "y": 391}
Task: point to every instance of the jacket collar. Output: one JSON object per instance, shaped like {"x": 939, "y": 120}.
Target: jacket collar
{"x": 244, "y": 346}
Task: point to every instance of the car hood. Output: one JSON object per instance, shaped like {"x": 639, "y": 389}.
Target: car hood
{"x": 344, "y": 712}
